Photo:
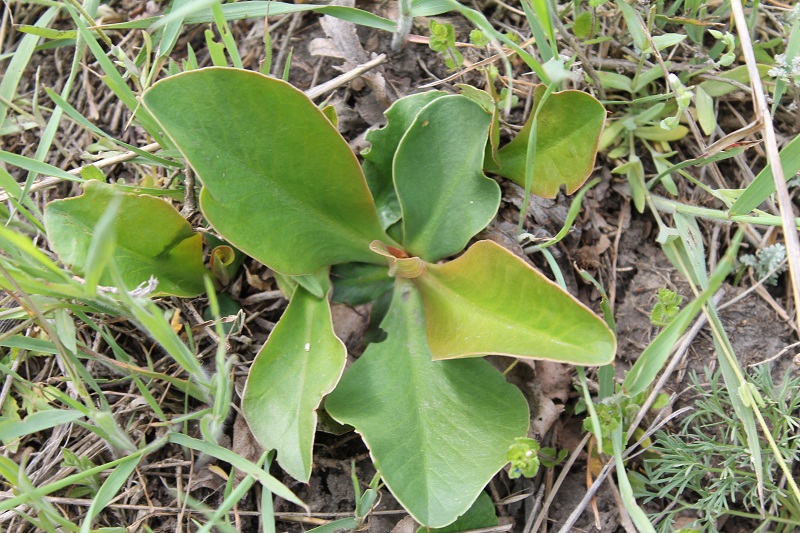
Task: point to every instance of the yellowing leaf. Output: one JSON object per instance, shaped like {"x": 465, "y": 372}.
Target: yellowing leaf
{"x": 151, "y": 238}
{"x": 568, "y": 133}
{"x": 488, "y": 301}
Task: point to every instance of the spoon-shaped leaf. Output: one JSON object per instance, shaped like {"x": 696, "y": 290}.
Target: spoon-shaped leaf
{"x": 444, "y": 195}
{"x": 379, "y": 156}
{"x": 438, "y": 431}
{"x": 568, "y": 133}
{"x": 489, "y": 301}
{"x": 279, "y": 181}
{"x": 300, "y": 363}
{"x": 151, "y": 238}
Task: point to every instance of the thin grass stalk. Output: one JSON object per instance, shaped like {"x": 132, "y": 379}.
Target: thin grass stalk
{"x": 773, "y": 156}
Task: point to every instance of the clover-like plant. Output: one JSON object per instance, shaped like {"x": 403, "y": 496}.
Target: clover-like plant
{"x": 281, "y": 184}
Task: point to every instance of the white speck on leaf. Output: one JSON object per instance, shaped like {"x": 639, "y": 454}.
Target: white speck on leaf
{"x": 307, "y": 347}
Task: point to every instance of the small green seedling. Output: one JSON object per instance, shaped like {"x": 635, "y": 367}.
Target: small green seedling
{"x": 524, "y": 458}
{"x": 443, "y": 40}
{"x": 280, "y": 184}
{"x": 666, "y": 307}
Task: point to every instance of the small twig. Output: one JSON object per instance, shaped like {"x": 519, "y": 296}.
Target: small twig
{"x": 725, "y": 142}
{"x": 49, "y": 182}
{"x": 189, "y": 198}
{"x": 624, "y": 516}
{"x": 777, "y": 355}
{"x": 488, "y": 60}
{"x": 534, "y": 526}
{"x": 3, "y": 26}
{"x": 277, "y": 63}
{"x": 612, "y": 290}
{"x": 585, "y": 63}
{"x": 591, "y": 491}
{"x": 338, "y": 81}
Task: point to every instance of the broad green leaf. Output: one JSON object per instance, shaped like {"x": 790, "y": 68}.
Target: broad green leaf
{"x": 444, "y": 196}
{"x": 359, "y": 283}
{"x": 764, "y": 184}
{"x": 300, "y": 363}
{"x": 152, "y": 239}
{"x": 489, "y": 301}
{"x": 280, "y": 183}
{"x": 481, "y": 515}
{"x": 568, "y": 133}
{"x": 437, "y": 431}
{"x": 378, "y": 157}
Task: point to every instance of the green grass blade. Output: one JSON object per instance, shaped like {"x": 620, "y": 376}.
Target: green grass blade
{"x": 237, "y": 461}
{"x": 19, "y": 62}
{"x": 50, "y": 488}
{"x": 22, "y": 248}
{"x": 258, "y": 9}
{"x": 231, "y": 499}
{"x": 114, "y": 80}
{"x": 227, "y": 37}
{"x": 48, "y": 135}
{"x": 15, "y": 194}
{"x": 39, "y": 421}
{"x": 173, "y": 28}
{"x": 75, "y": 115}
{"x": 649, "y": 364}
{"x": 150, "y": 317}
{"x": 572, "y": 214}
{"x": 764, "y": 185}
{"x": 183, "y": 9}
{"x": 101, "y": 248}
{"x": 39, "y": 346}
{"x": 39, "y": 167}
{"x": 638, "y": 516}
{"x": 538, "y": 16}
{"x": 109, "y": 489}
{"x": 123, "y": 357}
